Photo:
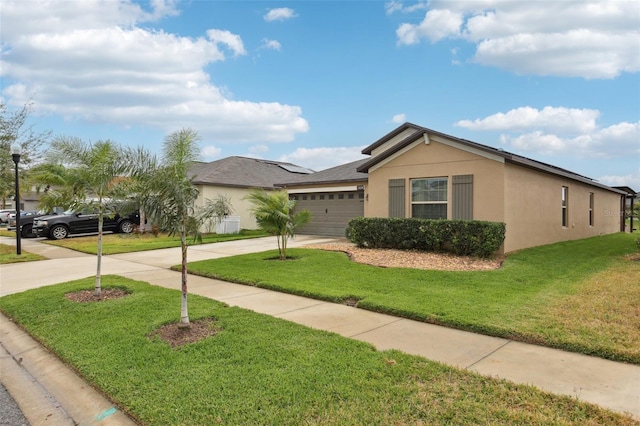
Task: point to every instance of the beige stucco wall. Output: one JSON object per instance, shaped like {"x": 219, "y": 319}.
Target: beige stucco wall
{"x": 527, "y": 200}
{"x": 436, "y": 159}
{"x": 241, "y": 207}
{"x": 533, "y": 212}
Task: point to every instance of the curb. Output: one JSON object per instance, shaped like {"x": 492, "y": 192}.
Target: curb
{"x": 47, "y": 391}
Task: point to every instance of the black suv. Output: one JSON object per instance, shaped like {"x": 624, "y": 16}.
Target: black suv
{"x": 26, "y": 222}
{"x": 57, "y": 227}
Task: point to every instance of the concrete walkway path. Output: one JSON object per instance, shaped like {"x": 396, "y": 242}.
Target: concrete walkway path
{"x": 610, "y": 384}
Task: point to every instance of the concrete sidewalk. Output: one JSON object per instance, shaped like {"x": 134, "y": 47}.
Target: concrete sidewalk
{"x": 612, "y": 385}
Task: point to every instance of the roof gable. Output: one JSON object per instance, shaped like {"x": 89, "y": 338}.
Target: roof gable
{"x": 423, "y": 132}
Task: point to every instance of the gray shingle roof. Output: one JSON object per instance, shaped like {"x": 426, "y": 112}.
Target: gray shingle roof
{"x": 244, "y": 172}
{"x": 343, "y": 173}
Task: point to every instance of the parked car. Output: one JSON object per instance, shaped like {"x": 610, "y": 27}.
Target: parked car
{"x": 26, "y": 222}
{"x": 4, "y": 215}
{"x": 60, "y": 226}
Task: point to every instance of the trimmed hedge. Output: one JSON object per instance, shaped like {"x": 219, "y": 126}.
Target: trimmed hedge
{"x": 460, "y": 237}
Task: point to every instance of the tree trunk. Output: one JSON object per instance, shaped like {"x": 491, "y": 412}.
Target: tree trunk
{"x": 184, "y": 311}
{"x": 143, "y": 219}
{"x": 98, "y": 288}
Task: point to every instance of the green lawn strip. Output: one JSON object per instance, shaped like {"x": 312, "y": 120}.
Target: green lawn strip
{"x": 511, "y": 302}
{"x": 8, "y": 255}
{"x": 263, "y": 370}
{"x": 127, "y": 243}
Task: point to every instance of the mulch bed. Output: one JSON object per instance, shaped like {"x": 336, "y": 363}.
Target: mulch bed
{"x": 389, "y": 258}
{"x": 85, "y": 296}
{"x": 177, "y": 335}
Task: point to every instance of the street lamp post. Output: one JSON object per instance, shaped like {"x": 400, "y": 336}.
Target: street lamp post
{"x": 15, "y": 154}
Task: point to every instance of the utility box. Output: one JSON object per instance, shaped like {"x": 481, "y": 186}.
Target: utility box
{"x": 228, "y": 225}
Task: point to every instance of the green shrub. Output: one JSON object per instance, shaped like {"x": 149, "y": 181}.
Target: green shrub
{"x": 461, "y": 237}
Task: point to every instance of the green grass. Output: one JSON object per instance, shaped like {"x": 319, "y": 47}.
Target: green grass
{"x": 8, "y": 255}
{"x": 127, "y": 243}
{"x": 519, "y": 301}
{"x": 5, "y": 233}
{"x": 263, "y": 370}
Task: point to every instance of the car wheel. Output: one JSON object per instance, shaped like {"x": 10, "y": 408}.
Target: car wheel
{"x": 58, "y": 232}
{"x": 27, "y": 232}
{"x": 126, "y": 227}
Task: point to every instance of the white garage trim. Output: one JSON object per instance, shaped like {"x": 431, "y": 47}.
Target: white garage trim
{"x": 325, "y": 189}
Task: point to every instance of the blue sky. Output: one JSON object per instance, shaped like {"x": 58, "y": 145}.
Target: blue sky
{"x": 314, "y": 82}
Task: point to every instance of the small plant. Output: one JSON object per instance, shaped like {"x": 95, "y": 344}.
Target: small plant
{"x": 638, "y": 243}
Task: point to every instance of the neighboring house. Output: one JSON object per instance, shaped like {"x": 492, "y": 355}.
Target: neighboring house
{"x": 333, "y": 196}
{"x": 414, "y": 171}
{"x": 235, "y": 177}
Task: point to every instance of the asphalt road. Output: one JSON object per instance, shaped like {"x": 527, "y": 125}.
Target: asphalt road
{"x": 10, "y": 414}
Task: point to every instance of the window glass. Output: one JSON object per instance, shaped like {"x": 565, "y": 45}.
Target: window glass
{"x": 429, "y": 198}
{"x": 565, "y": 208}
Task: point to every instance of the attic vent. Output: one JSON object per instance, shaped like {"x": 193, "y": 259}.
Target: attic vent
{"x": 296, "y": 169}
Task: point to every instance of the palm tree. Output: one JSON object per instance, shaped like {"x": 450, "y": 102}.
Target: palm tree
{"x": 140, "y": 186}
{"x": 95, "y": 169}
{"x": 174, "y": 206}
{"x": 56, "y": 185}
{"x": 274, "y": 213}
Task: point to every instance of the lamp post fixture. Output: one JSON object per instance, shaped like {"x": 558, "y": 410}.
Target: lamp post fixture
{"x": 15, "y": 154}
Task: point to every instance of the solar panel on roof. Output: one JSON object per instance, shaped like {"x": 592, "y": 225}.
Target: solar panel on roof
{"x": 296, "y": 169}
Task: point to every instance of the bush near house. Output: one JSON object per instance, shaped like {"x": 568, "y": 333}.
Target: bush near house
{"x": 460, "y": 237}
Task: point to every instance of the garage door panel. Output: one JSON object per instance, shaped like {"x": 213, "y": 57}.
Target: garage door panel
{"x": 330, "y": 212}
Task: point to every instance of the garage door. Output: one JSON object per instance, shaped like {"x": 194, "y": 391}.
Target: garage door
{"x": 330, "y": 211}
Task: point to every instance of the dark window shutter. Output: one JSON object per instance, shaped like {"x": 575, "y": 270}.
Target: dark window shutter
{"x": 462, "y": 194}
{"x": 396, "y": 198}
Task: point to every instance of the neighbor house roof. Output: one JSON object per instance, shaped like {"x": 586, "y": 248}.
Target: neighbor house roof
{"x": 343, "y": 173}
{"x": 508, "y": 156}
{"x": 245, "y": 172}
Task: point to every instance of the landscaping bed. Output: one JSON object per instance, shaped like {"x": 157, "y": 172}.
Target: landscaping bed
{"x": 390, "y": 258}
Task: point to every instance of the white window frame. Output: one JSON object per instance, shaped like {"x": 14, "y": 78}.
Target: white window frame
{"x": 444, "y": 202}
{"x": 565, "y": 206}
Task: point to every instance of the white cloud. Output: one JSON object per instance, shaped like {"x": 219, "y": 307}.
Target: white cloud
{"x": 436, "y": 25}
{"x": 279, "y": 14}
{"x": 397, "y": 6}
{"x": 560, "y": 130}
{"x": 271, "y": 44}
{"x": 399, "y": 118}
{"x": 89, "y": 60}
{"x": 211, "y": 152}
{"x": 393, "y": 6}
{"x": 589, "y": 39}
{"x": 233, "y": 41}
{"x": 324, "y": 158}
{"x": 556, "y": 119}
{"x": 632, "y": 180}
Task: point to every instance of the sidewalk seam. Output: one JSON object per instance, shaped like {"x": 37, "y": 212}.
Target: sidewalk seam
{"x": 377, "y": 328}
{"x": 489, "y": 354}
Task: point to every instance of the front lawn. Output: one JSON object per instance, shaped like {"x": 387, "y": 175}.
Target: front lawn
{"x": 580, "y": 295}
{"x": 263, "y": 370}
{"x": 127, "y": 243}
{"x": 8, "y": 255}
